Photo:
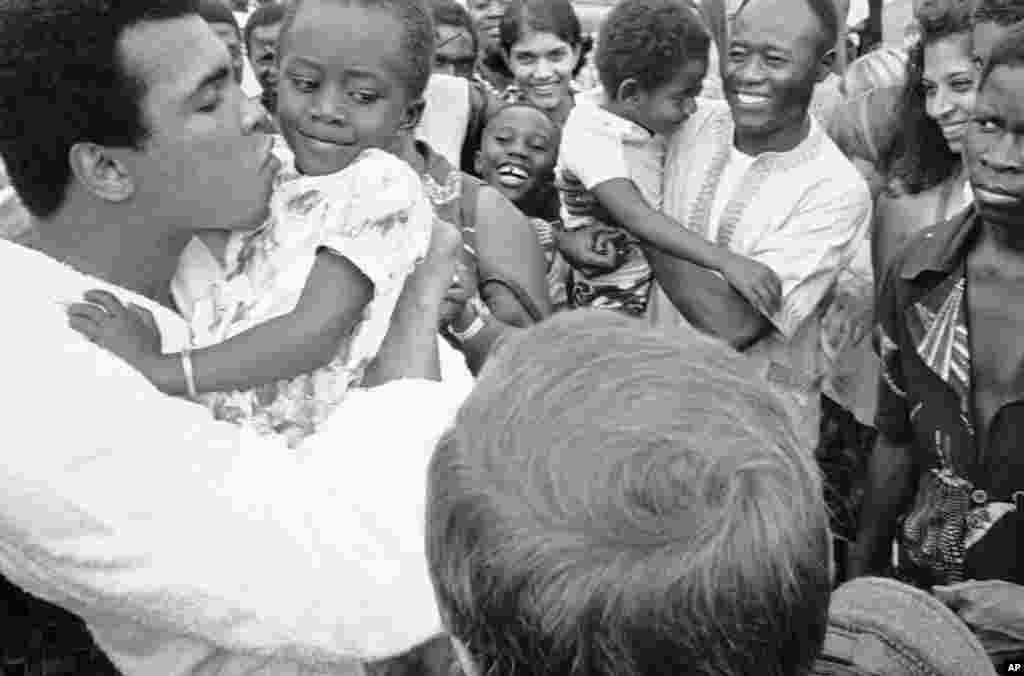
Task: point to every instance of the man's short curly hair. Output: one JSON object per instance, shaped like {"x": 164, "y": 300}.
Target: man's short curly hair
{"x": 64, "y": 80}
{"x": 649, "y": 41}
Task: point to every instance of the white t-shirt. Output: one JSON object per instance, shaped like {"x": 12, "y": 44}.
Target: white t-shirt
{"x": 191, "y": 546}
{"x": 598, "y": 146}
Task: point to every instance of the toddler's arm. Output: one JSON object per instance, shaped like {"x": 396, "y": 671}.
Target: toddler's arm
{"x": 301, "y": 341}
{"x": 623, "y": 201}
{"x": 307, "y": 338}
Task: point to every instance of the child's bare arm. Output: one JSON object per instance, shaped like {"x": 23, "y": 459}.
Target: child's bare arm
{"x": 623, "y": 201}
{"x": 331, "y": 304}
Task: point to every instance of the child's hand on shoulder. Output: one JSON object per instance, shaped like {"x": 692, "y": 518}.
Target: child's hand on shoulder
{"x": 129, "y": 331}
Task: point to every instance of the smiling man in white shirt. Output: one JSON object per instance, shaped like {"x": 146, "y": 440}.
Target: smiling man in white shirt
{"x": 758, "y": 174}
{"x": 187, "y": 545}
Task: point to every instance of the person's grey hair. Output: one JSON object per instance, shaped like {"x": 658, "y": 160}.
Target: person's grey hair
{"x": 618, "y": 500}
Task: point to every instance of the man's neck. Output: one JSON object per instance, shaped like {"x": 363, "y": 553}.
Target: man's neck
{"x": 137, "y": 257}
{"x": 778, "y": 141}
{"x": 1001, "y": 250}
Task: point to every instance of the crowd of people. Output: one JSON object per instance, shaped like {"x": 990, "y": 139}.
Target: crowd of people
{"x": 411, "y": 337}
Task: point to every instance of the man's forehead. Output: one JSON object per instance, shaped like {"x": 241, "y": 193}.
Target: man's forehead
{"x": 268, "y": 31}
{"x": 781, "y": 22}
{"x": 173, "y": 55}
{"x": 1003, "y": 91}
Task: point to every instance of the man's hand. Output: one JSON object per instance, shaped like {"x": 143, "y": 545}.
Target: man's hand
{"x": 129, "y": 331}
{"x": 993, "y": 609}
{"x": 592, "y": 249}
{"x": 461, "y": 290}
{"x": 756, "y": 282}
{"x": 578, "y": 200}
{"x": 436, "y": 272}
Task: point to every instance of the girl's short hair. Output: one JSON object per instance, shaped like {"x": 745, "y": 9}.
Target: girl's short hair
{"x": 544, "y": 16}
{"x": 618, "y": 500}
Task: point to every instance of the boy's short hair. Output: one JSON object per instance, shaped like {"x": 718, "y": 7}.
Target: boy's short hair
{"x": 1009, "y": 52}
{"x": 451, "y": 13}
{"x": 618, "y": 500}
{"x": 266, "y": 15}
{"x": 648, "y": 41}
{"x": 416, "y": 40}
{"x": 999, "y": 12}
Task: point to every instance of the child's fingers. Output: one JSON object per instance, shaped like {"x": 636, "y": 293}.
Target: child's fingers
{"x": 145, "y": 315}
{"x": 93, "y": 313}
{"x": 104, "y": 299}
{"x": 85, "y": 326}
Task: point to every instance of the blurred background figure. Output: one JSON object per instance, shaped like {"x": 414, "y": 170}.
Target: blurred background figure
{"x": 456, "y": 45}
{"x": 224, "y": 23}
{"x": 262, "y": 30}
{"x": 492, "y": 69}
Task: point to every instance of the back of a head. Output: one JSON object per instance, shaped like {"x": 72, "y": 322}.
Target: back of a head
{"x": 649, "y": 41}
{"x": 617, "y": 500}
{"x": 416, "y": 39}
{"x": 63, "y": 81}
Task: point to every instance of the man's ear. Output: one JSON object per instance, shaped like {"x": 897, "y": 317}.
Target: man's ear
{"x": 100, "y": 172}
{"x": 825, "y": 65}
{"x": 412, "y": 116}
{"x": 628, "y": 91}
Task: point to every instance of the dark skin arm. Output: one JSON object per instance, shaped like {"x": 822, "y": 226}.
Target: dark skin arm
{"x": 890, "y": 486}
{"x": 707, "y": 301}
{"x": 507, "y": 248}
{"x": 301, "y": 341}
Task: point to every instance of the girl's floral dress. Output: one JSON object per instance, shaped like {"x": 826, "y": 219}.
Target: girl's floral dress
{"x": 374, "y": 213}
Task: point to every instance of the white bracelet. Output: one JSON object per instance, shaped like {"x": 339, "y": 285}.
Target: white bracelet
{"x": 190, "y": 376}
{"x": 477, "y": 325}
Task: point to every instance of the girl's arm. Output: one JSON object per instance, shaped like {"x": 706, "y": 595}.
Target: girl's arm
{"x": 305, "y": 339}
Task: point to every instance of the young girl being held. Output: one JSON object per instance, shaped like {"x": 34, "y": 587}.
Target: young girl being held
{"x": 309, "y": 295}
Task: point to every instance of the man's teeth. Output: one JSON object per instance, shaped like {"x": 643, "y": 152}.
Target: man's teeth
{"x": 751, "y": 99}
